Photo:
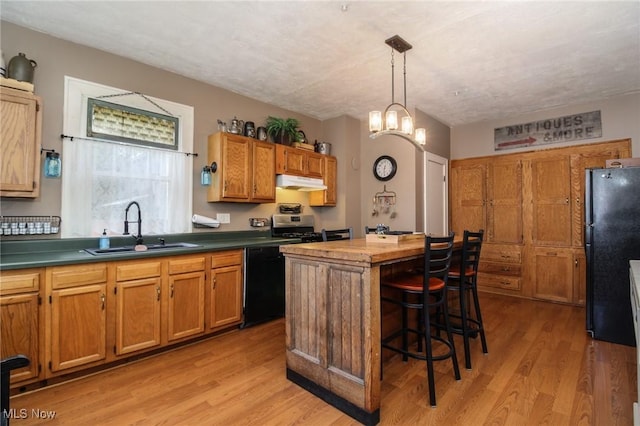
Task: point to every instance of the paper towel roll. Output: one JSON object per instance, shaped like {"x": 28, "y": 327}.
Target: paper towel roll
{"x": 205, "y": 221}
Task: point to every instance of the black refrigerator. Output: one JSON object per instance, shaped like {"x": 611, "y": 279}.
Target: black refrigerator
{"x": 612, "y": 238}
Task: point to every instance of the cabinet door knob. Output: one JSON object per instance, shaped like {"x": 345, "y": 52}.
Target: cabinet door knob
{"x": 102, "y": 300}
{"x": 172, "y": 291}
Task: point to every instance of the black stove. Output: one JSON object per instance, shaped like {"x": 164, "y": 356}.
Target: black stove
{"x": 298, "y": 226}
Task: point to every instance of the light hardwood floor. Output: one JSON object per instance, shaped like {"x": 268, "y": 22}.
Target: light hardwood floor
{"x": 542, "y": 368}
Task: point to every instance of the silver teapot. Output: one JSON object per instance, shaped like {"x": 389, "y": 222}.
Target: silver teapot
{"x": 237, "y": 126}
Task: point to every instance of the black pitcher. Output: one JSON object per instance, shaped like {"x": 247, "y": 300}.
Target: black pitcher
{"x": 250, "y": 129}
{"x": 20, "y": 68}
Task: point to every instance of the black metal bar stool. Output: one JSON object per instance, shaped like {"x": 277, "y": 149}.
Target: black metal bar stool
{"x": 425, "y": 292}
{"x": 463, "y": 278}
{"x": 6, "y": 365}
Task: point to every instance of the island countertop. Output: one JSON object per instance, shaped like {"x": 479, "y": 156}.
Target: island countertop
{"x": 360, "y": 250}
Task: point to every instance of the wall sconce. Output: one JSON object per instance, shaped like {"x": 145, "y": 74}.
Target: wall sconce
{"x": 52, "y": 163}
{"x": 205, "y": 174}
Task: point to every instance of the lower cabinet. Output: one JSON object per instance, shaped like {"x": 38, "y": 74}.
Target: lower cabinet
{"x": 69, "y": 318}
{"x": 500, "y": 269}
{"x": 225, "y": 290}
{"x": 76, "y": 317}
{"x": 137, "y": 292}
{"x": 185, "y": 298}
{"x": 20, "y": 319}
{"x": 559, "y": 274}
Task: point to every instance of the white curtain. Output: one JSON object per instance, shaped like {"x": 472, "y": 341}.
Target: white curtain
{"x": 102, "y": 178}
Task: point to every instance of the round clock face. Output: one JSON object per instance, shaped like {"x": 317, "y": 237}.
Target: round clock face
{"x": 384, "y": 168}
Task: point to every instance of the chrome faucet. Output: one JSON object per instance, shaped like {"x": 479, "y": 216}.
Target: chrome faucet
{"x": 138, "y": 237}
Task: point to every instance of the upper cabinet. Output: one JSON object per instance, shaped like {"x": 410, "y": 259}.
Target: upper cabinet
{"x": 490, "y": 195}
{"x": 300, "y": 162}
{"x": 329, "y": 196}
{"x": 244, "y": 169}
{"x": 20, "y": 134}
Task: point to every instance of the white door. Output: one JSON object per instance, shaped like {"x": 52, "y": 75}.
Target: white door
{"x": 436, "y": 198}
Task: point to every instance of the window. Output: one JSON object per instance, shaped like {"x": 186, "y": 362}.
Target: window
{"x": 107, "y": 167}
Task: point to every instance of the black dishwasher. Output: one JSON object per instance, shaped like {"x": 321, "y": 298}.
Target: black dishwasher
{"x": 264, "y": 285}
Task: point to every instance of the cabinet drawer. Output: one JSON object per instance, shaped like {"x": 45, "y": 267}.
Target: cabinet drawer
{"x": 226, "y": 258}
{"x": 71, "y": 276}
{"x": 499, "y": 281}
{"x": 186, "y": 264}
{"x": 498, "y": 268}
{"x": 138, "y": 270}
{"x": 499, "y": 253}
{"x": 19, "y": 282}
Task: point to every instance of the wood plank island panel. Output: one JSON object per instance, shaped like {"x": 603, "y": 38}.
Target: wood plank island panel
{"x": 333, "y": 319}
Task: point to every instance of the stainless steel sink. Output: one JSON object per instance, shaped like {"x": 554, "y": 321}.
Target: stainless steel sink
{"x": 131, "y": 249}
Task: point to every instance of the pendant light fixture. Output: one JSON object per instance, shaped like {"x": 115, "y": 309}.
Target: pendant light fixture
{"x": 396, "y": 120}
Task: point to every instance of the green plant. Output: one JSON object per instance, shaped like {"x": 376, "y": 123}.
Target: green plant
{"x": 279, "y": 128}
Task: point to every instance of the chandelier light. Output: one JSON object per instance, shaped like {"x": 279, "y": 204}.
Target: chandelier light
{"x": 396, "y": 120}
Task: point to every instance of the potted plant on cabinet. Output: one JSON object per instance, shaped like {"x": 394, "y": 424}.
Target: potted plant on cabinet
{"x": 282, "y": 130}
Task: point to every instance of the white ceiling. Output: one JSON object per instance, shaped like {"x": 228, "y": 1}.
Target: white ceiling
{"x": 471, "y": 61}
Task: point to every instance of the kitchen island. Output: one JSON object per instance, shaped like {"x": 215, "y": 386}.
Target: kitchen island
{"x": 333, "y": 319}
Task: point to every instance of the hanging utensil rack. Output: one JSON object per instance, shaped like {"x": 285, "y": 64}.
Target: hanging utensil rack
{"x": 383, "y": 201}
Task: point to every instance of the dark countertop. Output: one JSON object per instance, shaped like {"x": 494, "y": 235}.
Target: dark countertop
{"x": 52, "y": 252}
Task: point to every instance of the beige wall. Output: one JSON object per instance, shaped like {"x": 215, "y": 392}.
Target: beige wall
{"x": 620, "y": 120}
{"x": 57, "y": 58}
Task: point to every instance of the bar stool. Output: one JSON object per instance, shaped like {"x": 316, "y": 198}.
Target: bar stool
{"x": 424, "y": 292}
{"x": 463, "y": 278}
{"x": 6, "y": 365}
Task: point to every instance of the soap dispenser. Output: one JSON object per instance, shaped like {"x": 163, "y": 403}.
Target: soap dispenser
{"x": 104, "y": 240}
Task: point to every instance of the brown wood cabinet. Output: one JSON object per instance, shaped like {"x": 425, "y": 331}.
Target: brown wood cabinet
{"x": 185, "y": 297}
{"x": 245, "y": 169}
{"x": 329, "y": 196}
{"x": 97, "y": 313}
{"x": 531, "y": 206}
{"x": 137, "y": 293}
{"x": 20, "y": 319}
{"x": 20, "y": 134}
{"x": 76, "y": 316}
{"x": 225, "y": 290}
{"x": 300, "y": 162}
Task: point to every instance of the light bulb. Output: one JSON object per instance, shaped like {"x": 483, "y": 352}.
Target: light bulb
{"x": 407, "y": 125}
{"x": 421, "y": 136}
{"x": 375, "y": 121}
{"x": 392, "y": 120}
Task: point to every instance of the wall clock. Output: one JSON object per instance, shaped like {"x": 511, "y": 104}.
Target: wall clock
{"x": 384, "y": 168}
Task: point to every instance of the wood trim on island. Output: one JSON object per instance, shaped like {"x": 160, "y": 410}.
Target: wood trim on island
{"x": 333, "y": 319}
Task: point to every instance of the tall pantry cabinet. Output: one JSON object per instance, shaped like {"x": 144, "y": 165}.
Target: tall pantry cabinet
{"x": 531, "y": 206}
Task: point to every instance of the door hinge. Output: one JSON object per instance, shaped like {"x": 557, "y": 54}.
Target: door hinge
{"x": 50, "y": 366}
{"x": 39, "y": 300}
{"x": 39, "y": 368}
{"x": 115, "y": 290}
{"x": 114, "y": 349}
{"x": 50, "y": 299}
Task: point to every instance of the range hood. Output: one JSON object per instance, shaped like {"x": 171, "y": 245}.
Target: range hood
{"x": 301, "y": 183}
